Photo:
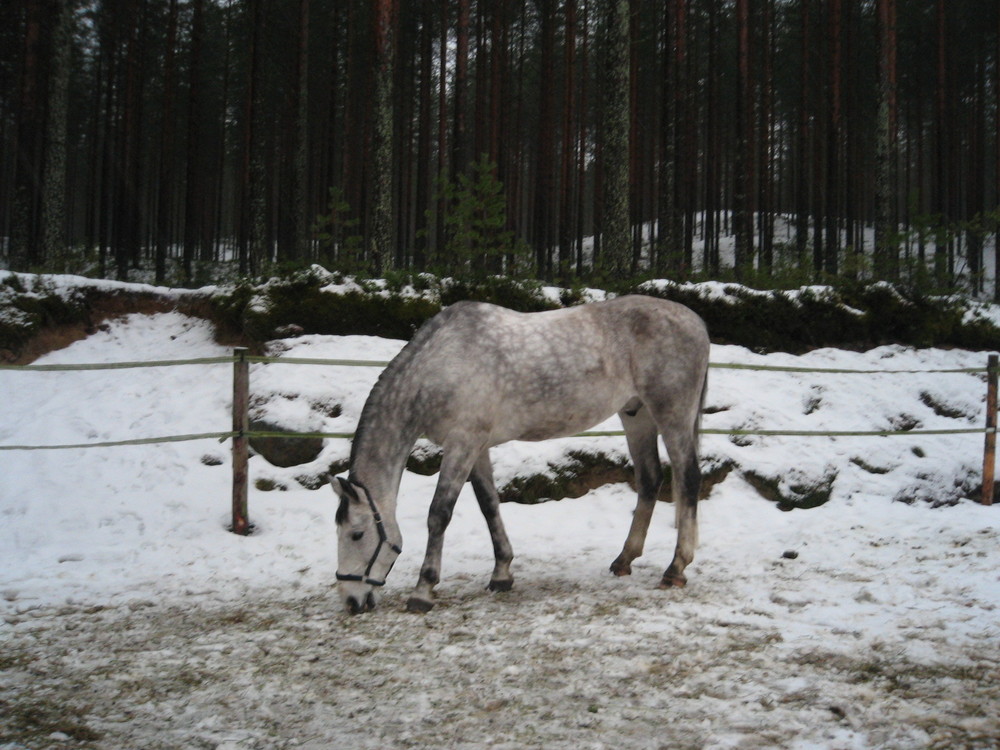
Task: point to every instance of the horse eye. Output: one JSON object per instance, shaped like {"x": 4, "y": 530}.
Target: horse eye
{"x": 356, "y": 536}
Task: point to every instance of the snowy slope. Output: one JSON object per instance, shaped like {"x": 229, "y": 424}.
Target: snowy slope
{"x": 881, "y": 631}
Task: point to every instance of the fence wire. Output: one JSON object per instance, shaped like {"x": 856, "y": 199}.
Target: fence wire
{"x": 254, "y": 359}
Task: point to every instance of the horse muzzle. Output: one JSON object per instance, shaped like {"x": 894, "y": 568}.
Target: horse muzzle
{"x": 357, "y": 607}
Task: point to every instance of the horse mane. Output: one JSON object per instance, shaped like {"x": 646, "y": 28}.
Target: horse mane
{"x": 400, "y": 362}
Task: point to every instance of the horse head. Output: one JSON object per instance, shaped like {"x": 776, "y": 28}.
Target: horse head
{"x": 365, "y": 552}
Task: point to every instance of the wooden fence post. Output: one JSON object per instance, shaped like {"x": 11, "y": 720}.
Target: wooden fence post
{"x": 989, "y": 451}
{"x": 241, "y": 424}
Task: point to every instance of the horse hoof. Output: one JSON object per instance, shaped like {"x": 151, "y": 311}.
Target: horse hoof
{"x": 620, "y": 568}
{"x": 419, "y": 606}
{"x": 673, "y": 581}
{"x": 499, "y": 586}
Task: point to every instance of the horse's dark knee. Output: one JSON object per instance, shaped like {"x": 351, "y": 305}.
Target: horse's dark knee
{"x": 648, "y": 469}
{"x": 485, "y": 497}
{"x": 692, "y": 482}
{"x": 438, "y": 520}
{"x": 430, "y": 576}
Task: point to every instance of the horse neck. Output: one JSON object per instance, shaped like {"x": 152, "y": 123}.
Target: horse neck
{"x": 386, "y": 434}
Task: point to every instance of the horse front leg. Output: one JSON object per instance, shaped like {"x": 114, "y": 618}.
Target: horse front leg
{"x": 489, "y": 503}
{"x": 455, "y": 468}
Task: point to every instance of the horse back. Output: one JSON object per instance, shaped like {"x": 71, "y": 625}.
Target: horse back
{"x": 533, "y": 376}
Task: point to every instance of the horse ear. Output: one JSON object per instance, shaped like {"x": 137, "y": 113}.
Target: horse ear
{"x": 344, "y": 489}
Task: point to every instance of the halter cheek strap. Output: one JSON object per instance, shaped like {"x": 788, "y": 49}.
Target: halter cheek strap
{"x": 383, "y": 539}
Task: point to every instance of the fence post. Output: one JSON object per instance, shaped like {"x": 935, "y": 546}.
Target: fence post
{"x": 241, "y": 424}
{"x": 989, "y": 451}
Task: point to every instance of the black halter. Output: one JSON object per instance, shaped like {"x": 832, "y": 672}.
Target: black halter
{"x": 383, "y": 539}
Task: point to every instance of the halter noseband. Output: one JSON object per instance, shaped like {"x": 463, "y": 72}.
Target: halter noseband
{"x": 383, "y": 539}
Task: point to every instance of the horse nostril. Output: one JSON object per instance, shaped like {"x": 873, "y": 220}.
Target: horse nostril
{"x": 356, "y": 608}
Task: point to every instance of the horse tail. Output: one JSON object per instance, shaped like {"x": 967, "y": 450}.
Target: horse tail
{"x": 694, "y": 479}
{"x": 696, "y": 435}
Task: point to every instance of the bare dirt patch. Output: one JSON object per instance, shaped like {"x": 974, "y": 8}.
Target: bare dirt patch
{"x": 553, "y": 664}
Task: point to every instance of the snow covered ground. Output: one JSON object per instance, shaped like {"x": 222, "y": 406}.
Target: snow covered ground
{"x": 131, "y": 618}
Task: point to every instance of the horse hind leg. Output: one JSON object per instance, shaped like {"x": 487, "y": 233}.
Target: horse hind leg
{"x": 640, "y": 432}
{"x": 686, "y": 484}
{"x": 489, "y": 504}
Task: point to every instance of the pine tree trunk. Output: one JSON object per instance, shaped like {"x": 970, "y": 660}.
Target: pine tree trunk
{"x": 616, "y": 245}
{"x": 127, "y": 239}
{"x": 545, "y": 180}
{"x": 194, "y": 197}
{"x": 886, "y": 249}
{"x": 440, "y": 240}
{"x": 300, "y": 176}
{"x": 498, "y": 27}
{"x": 743, "y": 166}
{"x": 687, "y": 160}
{"x": 568, "y": 141}
{"x": 459, "y": 142}
{"x": 667, "y": 259}
{"x": 481, "y": 89}
{"x": 380, "y": 244}
{"x": 767, "y": 157}
{"x": 514, "y": 178}
{"x": 941, "y": 147}
{"x": 424, "y": 124}
{"x": 976, "y": 181}
{"x": 804, "y": 140}
{"x": 581, "y": 151}
{"x": 108, "y": 132}
{"x": 635, "y": 166}
{"x": 713, "y": 160}
{"x": 254, "y": 190}
{"x": 54, "y": 177}
{"x": 331, "y": 179}
{"x": 166, "y": 156}
{"x": 996, "y": 166}
{"x": 25, "y": 244}
{"x": 832, "y": 208}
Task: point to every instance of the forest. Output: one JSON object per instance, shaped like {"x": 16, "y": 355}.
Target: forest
{"x": 810, "y": 140}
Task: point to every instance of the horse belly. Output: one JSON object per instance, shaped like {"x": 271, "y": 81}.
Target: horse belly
{"x": 560, "y": 413}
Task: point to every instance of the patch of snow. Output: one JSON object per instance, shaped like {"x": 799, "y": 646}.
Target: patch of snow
{"x": 132, "y": 618}
{"x": 69, "y": 285}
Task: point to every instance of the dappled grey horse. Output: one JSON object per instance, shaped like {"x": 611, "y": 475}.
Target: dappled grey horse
{"x": 477, "y": 375}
